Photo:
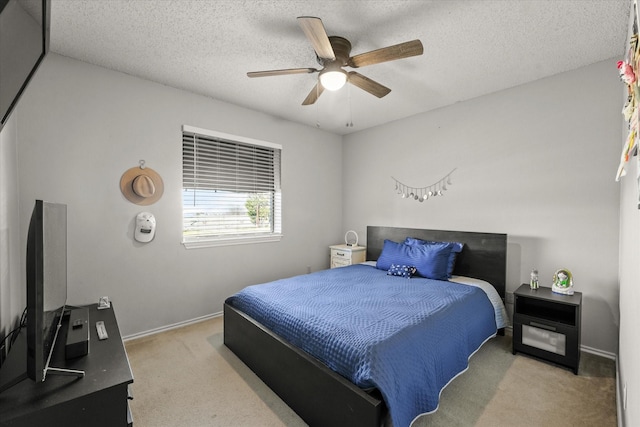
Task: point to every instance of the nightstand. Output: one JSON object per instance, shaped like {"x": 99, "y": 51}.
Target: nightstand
{"x": 342, "y": 255}
{"x": 547, "y": 325}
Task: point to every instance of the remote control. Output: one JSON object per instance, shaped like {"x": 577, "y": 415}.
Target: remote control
{"x": 102, "y": 332}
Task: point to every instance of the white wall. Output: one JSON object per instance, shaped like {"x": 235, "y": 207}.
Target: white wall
{"x": 12, "y": 296}
{"x": 536, "y": 162}
{"x": 628, "y": 369}
{"x": 81, "y": 127}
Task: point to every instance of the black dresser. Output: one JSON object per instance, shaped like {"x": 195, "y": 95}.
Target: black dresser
{"x": 99, "y": 399}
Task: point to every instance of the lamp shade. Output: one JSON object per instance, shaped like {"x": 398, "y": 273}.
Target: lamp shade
{"x": 333, "y": 79}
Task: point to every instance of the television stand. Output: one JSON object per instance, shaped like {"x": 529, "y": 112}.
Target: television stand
{"x": 100, "y": 399}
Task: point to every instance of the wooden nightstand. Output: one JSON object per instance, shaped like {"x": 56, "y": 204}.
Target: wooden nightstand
{"x": 547, "y": 325}
{"x": 342, "y": 255}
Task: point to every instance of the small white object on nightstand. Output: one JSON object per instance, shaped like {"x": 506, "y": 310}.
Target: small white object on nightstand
{"x": 351, "y": 238}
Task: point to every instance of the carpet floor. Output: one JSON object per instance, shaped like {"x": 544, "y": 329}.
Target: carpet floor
{"x": 187, "y": 377}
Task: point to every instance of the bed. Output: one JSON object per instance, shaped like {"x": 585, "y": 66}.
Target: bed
{"x": 348, "y": 391}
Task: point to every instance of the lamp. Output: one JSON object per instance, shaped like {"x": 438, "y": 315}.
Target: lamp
{"x": 333, "y": 78}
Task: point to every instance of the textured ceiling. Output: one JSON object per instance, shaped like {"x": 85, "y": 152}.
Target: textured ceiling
{"x": 471, "y": 48}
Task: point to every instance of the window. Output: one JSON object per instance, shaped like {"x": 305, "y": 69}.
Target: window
{"x": 230, "y": 189}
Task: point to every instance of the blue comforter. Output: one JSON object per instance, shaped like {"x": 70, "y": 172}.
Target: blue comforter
{"x": 407, "y": 337}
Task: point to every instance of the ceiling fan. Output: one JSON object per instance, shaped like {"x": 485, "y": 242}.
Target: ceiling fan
{"x": 333, "y": 53}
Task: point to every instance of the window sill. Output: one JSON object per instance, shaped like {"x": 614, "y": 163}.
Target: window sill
{"x": 229, "y": 241}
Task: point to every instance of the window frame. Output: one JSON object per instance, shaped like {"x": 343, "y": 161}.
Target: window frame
{"x": 239, "y": 239}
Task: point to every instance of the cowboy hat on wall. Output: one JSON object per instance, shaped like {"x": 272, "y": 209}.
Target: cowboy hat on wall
{"x": 141, "y": 185}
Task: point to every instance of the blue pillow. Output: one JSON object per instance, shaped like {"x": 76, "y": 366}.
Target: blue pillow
{"x": 402, "y": 270}
{"x": 456, "y": 249}
{"x": 430, "y": 260}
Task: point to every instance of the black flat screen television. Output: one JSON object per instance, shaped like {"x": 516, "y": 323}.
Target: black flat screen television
{"x": 24, "y": 42}
{"x": 46, "y": 283}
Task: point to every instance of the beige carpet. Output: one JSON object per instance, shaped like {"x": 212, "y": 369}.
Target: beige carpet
{"x": 187, "y": 377}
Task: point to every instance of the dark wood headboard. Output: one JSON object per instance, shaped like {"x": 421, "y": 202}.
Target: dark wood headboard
{"x": 484, "y": 255}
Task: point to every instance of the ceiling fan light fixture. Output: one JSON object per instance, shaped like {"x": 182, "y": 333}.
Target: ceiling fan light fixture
{"x": 333, "y": 53}
{"x": 333, "y": 79}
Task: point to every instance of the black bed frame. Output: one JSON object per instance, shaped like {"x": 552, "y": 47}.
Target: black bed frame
{"x": 317, "y": 394}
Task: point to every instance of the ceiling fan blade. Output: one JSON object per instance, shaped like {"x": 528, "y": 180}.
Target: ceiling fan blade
{"x": 282, "y": 72}
{"x": 391, "y": 53}
{"x": 315, "y": 32}
{"x": 313, "y": 95}
{"x": 366, "y": 84}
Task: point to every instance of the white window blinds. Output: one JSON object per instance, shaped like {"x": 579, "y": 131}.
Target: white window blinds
{"x": 230, "y": 188}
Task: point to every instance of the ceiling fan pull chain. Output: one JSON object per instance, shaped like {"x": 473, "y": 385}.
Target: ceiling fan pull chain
{"x": 350, "y": 124}
{"x": 317, "y": 107}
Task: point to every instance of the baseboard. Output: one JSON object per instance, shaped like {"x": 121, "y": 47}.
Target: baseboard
{"x": 619, "y": 407}
{"x": 508, "y": 332}
{"x": 598, "y": 352}
{"x": 172, "y": 326}
{"x": 620, "y": 404}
